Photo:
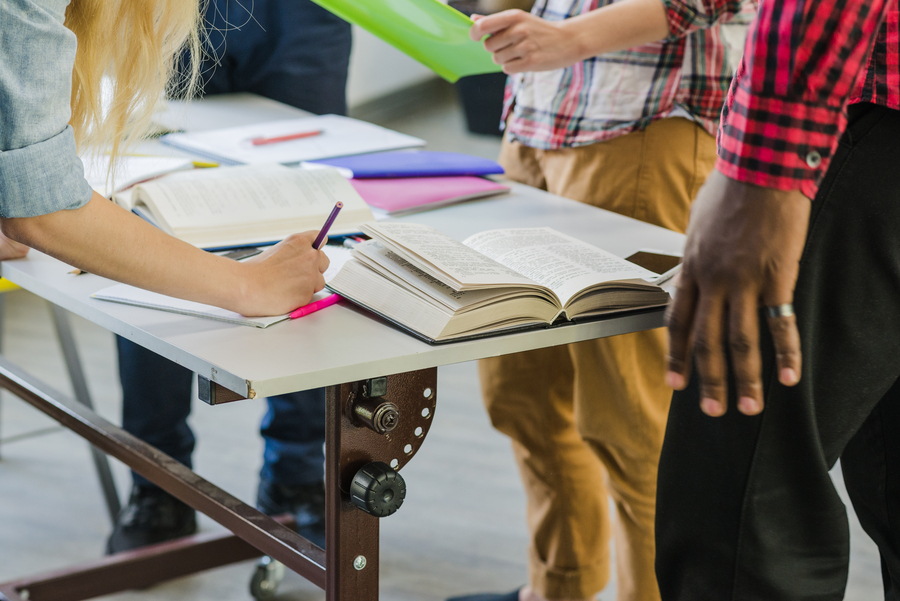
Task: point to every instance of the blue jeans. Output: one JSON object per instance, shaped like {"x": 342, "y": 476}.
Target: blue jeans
{"x": 295, "y": 52}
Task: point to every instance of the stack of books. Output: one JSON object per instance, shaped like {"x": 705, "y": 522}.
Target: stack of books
{"x": 405, "y": 182}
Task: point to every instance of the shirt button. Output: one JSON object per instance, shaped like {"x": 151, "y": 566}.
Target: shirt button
{"x": 813, "y": 159}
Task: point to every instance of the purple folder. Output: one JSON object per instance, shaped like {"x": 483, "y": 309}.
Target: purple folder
{"x": 423, "y": 163}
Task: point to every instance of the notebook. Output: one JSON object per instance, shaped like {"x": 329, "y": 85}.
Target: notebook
{"x": 416, "y": 163}
{"x": 413, "y": 194}
{"x": 340, "y": 136}
{"x": 427, "y": 30}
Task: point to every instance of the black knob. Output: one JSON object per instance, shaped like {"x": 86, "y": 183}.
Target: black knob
{"x": 377, "y": 489}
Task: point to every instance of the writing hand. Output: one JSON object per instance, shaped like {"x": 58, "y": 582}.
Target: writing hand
{"x": 743, "y": 251}
{"x": 10, "y": 249}
{"x": 523, "y": 42}
{"x": 283, "y": 277}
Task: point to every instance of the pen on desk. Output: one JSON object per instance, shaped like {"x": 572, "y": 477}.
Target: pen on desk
{"x": 351, "y": 241}
{"x": 316, "y": 306}
{"x": 323, "y": 233}
{"x": 285, "y": 138}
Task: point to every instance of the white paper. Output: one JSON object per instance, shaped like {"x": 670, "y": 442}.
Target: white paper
{"x": 341, "y": 136}
{"x": 130, "y": 295}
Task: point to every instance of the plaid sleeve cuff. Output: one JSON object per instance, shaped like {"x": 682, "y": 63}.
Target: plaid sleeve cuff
{"x": 778, "y": 143}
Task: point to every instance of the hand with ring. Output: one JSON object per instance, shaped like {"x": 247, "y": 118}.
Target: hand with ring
{"x": 743, "y": 251}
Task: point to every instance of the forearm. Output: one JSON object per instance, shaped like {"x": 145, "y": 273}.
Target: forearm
{"x": 616, "y": 26}
{"x": 104, "y": 239}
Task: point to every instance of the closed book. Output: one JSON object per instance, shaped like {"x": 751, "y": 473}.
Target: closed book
{"x": 423, "y": 163}
{"x": 412, "y": 194}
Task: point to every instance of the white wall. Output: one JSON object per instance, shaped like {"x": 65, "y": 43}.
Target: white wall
{"x": 377, "y": 69}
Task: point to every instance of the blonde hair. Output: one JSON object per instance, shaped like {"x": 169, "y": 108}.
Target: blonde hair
{"x": 135, "y": 44}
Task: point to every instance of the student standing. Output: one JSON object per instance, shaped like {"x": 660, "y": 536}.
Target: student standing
{"x": 612, "y": 104}
{"x": 54, "y": 56}
{"x": 792, "y": 265}
{"x": 298, "y": 53}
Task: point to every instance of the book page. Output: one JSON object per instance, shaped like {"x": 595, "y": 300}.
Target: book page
{"x": 372, "y": 253}
{"x": 246, "y": 195}
{"x": 467, "y": 266}
{"x": 564, "y": 264}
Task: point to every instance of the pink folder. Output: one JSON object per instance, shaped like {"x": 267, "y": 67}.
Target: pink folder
{"x": 413, "y": 194}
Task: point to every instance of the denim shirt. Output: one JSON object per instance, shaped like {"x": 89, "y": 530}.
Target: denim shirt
{"x": 40, "y": 171}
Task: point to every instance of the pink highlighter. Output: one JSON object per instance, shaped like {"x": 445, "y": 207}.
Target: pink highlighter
{"x": 316, "y": 306}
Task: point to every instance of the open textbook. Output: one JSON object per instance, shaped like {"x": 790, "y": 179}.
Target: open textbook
{"x": 246, "y": 205}
{"x": 495, "y": 281}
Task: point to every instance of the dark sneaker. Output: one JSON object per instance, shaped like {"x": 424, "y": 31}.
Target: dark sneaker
{"x": 151, "y": 516}
{"x": 305, "y": 503}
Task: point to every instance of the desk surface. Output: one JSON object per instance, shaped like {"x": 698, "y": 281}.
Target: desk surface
{"x": 345, "y": 344}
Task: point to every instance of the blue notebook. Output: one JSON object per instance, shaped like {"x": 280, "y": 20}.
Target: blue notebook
{"x": 423, "y": 163}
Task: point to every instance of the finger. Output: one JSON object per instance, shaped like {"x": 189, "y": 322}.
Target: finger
{"x": 709, "y": 354}
{"x": 679, "y": 320}
{"x": 509, "y": 55}
{"x": 324, "y": 262}
{"x": 320, "y": 283}
{"x": 743, "y": 343}
{"x": 786, "y": 339}
{"x": 491, "y": 24}
{"x": 785, "y": 336}
{"x": 502, "y": 41}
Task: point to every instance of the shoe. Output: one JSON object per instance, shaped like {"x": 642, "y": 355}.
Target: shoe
{"x": 151, "y": 516}
{"x": 513, "y": 596}
{"x": 305, "y": 503}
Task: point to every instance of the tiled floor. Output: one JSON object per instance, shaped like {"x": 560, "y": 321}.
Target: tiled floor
{"x": 460, "y": 530}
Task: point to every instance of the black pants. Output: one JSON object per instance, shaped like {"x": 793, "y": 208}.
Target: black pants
{"x": 746, "y": 508}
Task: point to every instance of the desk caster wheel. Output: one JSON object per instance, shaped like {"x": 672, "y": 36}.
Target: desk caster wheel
{"x": 266, "y": 578}
{"x": 377, "y": 489}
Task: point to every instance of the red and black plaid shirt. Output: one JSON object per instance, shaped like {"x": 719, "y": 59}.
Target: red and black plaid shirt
{"x": 804, "y": 62}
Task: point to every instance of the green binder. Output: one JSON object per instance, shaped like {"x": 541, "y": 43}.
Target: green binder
{"x": 427, "y": 30}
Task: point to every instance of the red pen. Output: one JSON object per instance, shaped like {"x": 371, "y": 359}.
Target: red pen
{"x": 316, "y": 306}
{"x": 285, "y": 138}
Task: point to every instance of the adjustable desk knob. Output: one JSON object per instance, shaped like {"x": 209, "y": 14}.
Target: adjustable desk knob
{"x": 377, "y": 489}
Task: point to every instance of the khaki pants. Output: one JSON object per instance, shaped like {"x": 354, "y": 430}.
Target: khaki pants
{"x": 587, "y": 420}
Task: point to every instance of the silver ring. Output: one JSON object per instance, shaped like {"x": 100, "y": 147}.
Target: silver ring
{"x": 785, "y": 310}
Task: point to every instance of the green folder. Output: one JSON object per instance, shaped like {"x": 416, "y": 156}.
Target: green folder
{"x": 429, "y": 31}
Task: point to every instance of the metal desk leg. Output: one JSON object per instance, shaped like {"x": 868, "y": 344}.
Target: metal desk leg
{"x": 79, "y": 385}
{"x": 379, "y": 423}
{"x": 351, "y": 444}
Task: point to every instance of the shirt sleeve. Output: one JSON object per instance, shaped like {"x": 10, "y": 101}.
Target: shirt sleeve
{"x": 785, "y": 110}
{"x": 40, "y": 171}
{"x": 687, "y": 16}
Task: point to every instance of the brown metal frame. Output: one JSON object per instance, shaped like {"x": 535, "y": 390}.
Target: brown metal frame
{"x": 347, "y": 570}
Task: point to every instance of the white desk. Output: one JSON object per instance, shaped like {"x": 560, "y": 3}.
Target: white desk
{"x": 338, "y": 348}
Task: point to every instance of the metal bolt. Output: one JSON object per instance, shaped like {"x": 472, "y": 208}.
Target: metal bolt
{"x": 360, "y": 562}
